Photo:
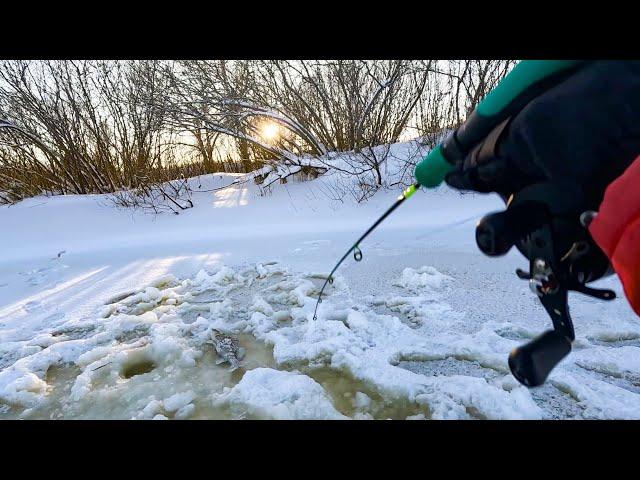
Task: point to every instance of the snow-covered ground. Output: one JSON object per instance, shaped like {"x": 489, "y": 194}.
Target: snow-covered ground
{"x": 107, "y": 313}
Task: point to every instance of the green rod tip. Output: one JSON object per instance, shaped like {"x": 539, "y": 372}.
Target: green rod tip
{"x": 410, "y": 191}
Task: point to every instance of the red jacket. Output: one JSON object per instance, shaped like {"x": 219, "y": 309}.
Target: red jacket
{"x": 616, "y": 230}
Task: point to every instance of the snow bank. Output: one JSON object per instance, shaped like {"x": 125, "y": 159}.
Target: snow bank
{"x": 424, "y": 279}
{"x": 271, "y": 394}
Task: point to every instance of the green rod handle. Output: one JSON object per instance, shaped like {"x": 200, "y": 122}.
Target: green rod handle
{"x": 527, "y": 80}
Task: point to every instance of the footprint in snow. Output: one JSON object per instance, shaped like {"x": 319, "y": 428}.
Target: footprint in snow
{"x": 41, "y": 275}
{"x": 53, "y": 317}
{"x": 33, "y": 306}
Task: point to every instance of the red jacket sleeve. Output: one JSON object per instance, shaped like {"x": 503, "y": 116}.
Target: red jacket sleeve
{"x": 616, "y": 230}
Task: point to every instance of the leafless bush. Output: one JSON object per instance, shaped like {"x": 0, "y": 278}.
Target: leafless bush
{"x": 173, "y": 196}
{"x": 454, "y": 89}
{"x": 112, "y": 126}
{"x": 321, "y": 107}
{"x": 457, "y": 88}
{"x": 81, "y": 127}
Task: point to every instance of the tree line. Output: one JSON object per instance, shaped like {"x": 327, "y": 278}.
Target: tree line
{"x": 139, "y": 129}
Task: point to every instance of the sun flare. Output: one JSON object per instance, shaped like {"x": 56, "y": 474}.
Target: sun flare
{"x": 270, "y": 131}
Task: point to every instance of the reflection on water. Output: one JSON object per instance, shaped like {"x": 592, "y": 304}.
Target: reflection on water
{"x": 356, "y": 399}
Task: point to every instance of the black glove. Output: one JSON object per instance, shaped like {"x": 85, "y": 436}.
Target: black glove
{"x": 585, "y": 130}
{"x": 562, "y": 150}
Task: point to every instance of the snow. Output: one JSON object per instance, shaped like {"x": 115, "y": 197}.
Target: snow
{"x": 424, "y": 278}
{"x": 272, "y": 394}
{"x": 361, "y": 400}
{"x": 107, "y": 313}
{"x": 178, "y": 401}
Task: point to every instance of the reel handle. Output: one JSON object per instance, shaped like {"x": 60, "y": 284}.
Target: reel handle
{"x": 532, "y": 362}
{"x": 497, "y": 232}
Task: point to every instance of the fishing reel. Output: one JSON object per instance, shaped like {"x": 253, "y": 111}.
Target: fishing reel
{"x": 562, "y": 257}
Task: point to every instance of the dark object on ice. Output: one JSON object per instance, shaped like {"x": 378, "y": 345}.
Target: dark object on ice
{"x": 532, "y": 362}
{"x": 227, "y": 348}
{"x": 101, "y": 366}
{"x": 562, "y": 257}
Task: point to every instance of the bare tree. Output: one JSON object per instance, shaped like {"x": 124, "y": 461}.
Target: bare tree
{"x": 134, "y": 126}
{"x": 95, "y": 131}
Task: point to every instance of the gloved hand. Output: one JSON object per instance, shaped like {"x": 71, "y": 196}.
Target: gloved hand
{"x": 562, "y": 150}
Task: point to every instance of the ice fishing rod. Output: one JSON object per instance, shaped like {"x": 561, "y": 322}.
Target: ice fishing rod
{"x": 523, "y": 83}
{"x": 551, "y": 276}
{"x": 355, "y": 248}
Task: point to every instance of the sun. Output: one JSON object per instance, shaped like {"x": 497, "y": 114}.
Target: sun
{"x": 270, "y": 131}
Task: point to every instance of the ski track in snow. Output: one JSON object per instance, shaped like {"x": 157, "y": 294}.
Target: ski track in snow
{"x": 108, "y": 314}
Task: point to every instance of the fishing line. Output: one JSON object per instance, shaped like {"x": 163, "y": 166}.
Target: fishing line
{"x": 357, "y": 253}
{"x": 447, "y": 227}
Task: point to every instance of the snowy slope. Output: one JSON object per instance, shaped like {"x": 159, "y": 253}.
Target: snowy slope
{"x": 106, "y": 313}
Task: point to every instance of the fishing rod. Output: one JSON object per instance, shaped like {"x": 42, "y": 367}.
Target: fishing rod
{"x": 355, "y": 248}
{"x": 550, "y": 277}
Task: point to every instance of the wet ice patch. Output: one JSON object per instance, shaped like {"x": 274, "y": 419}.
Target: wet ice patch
{"x": 353, "y": 341}
{"x": 153, "y": 339}
{"x": 147, "y": 354}
{"x": 156, "y": 339}
{"x": 136, "y": 337}
{"x": 449, "y": 366}
{"x": 367, "y": 347}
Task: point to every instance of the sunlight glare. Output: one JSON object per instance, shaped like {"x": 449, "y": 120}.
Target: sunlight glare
{"x": 270, "y": 131}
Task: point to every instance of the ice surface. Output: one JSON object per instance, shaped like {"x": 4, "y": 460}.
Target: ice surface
{"x": 118, "y": 326}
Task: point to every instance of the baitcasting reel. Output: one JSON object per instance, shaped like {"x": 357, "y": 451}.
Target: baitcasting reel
{"x": 562, "y": 257}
